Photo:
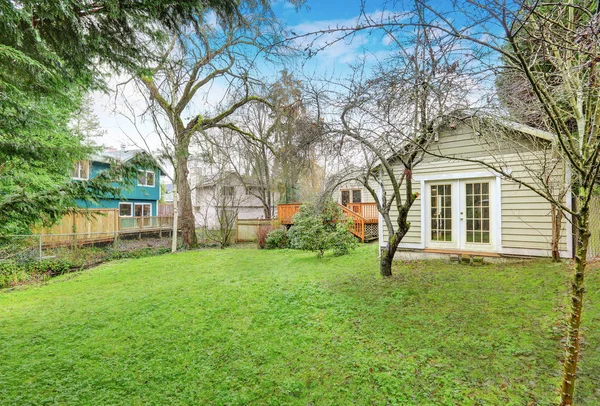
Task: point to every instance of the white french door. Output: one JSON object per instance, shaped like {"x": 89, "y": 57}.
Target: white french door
{"x": 459, "y": 214}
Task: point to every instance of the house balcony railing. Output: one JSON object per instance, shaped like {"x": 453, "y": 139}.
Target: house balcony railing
{"x": 146, "y": 223}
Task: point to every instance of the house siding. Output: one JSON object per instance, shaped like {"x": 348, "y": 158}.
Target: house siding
{"x": 130, "y": 194}
{"x": 526, "y": 223}
{"x": 366, "y": 195}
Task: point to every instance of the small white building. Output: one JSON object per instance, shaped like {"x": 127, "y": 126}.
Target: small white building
{"x": 466, "y": 207}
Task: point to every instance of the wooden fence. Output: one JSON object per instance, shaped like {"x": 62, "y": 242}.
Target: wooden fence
{"x": 98, "y": 225}
{"x": 165, "y": 209}
{"x": 245, "y": 229}
{"x": 82, "y": 227}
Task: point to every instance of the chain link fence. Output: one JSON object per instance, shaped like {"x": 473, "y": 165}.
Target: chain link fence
{"x": 21, "y": 248}
{"x": 39, "y": 247}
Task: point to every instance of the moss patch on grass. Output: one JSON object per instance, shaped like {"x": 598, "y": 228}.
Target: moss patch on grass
{"x": 247, "y": 326}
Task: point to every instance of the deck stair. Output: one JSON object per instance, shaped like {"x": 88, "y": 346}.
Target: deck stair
{"x": 363, "y": 215}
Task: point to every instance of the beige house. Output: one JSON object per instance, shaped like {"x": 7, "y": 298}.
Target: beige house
{"x": 352, "y": 192}
{"x": 466, "y": 207}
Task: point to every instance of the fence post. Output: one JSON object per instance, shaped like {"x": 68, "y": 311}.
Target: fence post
{"x": 237, "y": 229}
{"x": 74, "y": 230}
{"x": 40, "y": 246}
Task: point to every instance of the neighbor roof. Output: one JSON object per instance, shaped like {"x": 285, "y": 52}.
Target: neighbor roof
{"x": 122, "y": 155}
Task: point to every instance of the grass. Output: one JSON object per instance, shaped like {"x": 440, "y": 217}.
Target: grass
{"x": 243, "y": 326}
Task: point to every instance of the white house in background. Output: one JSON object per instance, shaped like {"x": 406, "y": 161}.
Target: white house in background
{"x": 465, "y": 207}
{"x": 225, "y": 191}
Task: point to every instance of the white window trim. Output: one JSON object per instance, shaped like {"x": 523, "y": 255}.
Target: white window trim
{"x": 126, "y": 203}
{"x": 81, "y": 169}
{"x": 350, "y": 190}
{"x": 500, "y": 249}
{"x": 142, "y": 204}
{"x": 146, "y": 177}
{"x": 459, "y": 176}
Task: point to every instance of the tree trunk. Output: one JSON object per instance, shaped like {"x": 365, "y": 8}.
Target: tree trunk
{"x": 577, "y": 289}
{"x": 387, "y": 254}
{"x": 188, "y": 222}
{"x": 556, "y": 226}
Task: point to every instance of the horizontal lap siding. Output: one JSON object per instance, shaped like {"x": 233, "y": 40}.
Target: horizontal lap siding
{"x": 526, "y": 220}
{"x": 414, "y": 215}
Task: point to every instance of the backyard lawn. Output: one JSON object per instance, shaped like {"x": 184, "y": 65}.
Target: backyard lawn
{"x": 244, "y": 326}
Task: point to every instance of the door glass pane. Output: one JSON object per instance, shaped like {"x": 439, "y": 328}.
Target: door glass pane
{"x": 478, "y": 212}
{"x": 356, "y": 196}
{"x": 441, "y": 212}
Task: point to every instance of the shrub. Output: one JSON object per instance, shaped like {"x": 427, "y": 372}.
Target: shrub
{"x": 321, "y": 229}
{"x": 261, "y": 232}
{"x": 277, "y": 238}
{"x": 13, "y": 273}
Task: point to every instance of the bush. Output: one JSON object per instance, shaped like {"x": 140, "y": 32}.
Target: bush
{"x": 277, "y": 238}
{"x": 262, "y": 231}
{"x": 13, "y": 273}
{"x": 322, "y": 229}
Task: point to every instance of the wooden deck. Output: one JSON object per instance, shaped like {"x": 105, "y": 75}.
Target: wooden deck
{"x": 364, "y": 216}
{"x": 98, "y": 226}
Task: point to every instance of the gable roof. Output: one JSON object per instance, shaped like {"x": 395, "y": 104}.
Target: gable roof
{"x": 465, "y": 116}
{"x": 545, "y": 135}
{"x": 123, "y": 155}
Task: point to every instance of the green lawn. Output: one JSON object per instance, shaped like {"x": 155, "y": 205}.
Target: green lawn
{"x": 243, "y": 326}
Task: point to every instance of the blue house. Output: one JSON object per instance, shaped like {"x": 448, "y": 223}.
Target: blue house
{"x": 139, "y": 200}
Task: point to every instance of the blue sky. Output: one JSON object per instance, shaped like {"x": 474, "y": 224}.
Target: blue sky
{"x": 314, "y": 15}
{"x": 333, "y": 61}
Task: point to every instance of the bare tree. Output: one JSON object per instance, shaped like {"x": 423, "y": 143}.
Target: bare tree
{"x": 279, "y": 142}
{"x": 218, "y": 203}
{"x": 185, "y": 73}
{"x": 392, "y": 116}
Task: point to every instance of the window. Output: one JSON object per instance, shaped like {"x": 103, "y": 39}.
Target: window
{"x": 125, "y": 209}
{"x": 146, "y": 178}
{"x": 351, "y": 196}
{"x": 81, "y": 170}
{"x": 143, "y": 210}
{"x": 228, "y": 191}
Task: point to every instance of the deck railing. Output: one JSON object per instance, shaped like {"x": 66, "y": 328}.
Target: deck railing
{"x": 145, "y": 223}
{"x": 358, "y": 223}
{"x": 360, "y": 213}
{"x": 366, "y": 210}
